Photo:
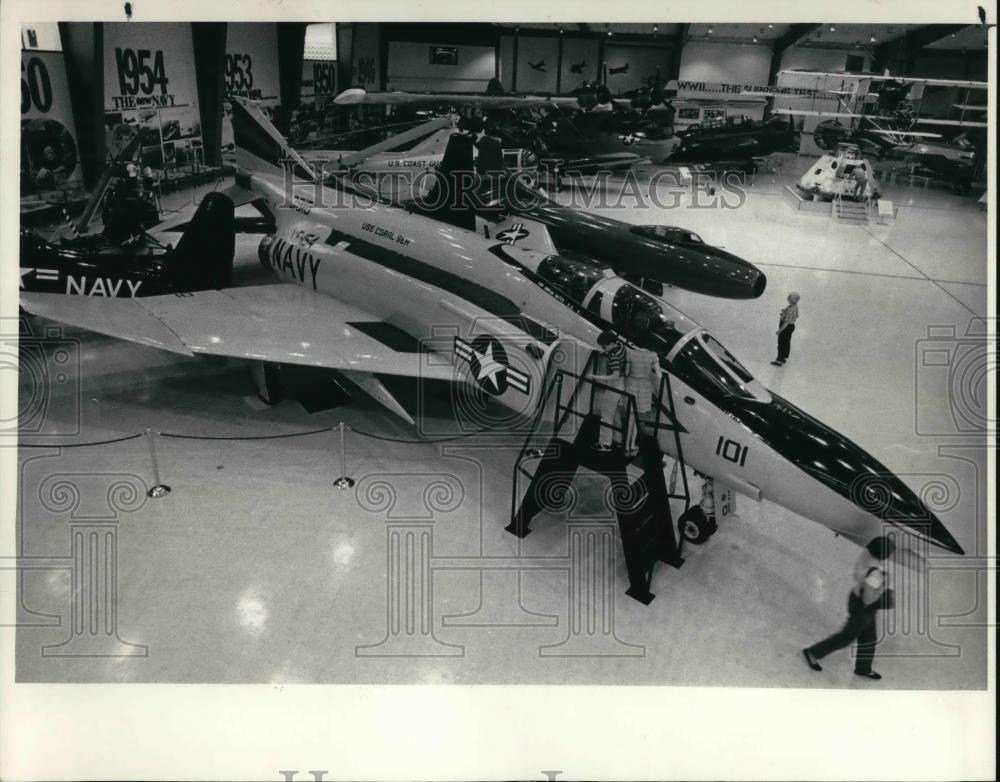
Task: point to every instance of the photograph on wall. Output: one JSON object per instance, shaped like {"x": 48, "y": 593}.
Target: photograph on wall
{"x": 150, "y": 89}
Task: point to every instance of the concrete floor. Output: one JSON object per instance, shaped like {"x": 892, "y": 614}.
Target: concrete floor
{"x": 255, "y": 569}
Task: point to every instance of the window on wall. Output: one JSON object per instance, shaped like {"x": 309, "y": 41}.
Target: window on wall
{"x": 43, "y": 36}
{"x": 321, "y": 42}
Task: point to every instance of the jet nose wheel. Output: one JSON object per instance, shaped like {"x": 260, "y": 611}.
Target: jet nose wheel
{"x": 695, "y": 527}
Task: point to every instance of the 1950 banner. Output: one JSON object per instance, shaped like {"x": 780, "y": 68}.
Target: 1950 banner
{"x": 50, "y": 158}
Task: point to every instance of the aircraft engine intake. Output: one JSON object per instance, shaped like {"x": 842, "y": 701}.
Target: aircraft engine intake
{"x": 264, "y": 250}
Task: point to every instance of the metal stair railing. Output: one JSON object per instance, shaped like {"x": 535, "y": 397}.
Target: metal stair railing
{"x": 665, "y": 419}
{"x": 674, "y": 426}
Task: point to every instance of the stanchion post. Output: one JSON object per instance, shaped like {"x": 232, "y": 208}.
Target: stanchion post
{"x": 158, "y": 489}
{"x": 343, "y": 482}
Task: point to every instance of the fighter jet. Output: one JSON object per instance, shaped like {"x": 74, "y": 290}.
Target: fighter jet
{"x": 734, "y": 139}
{"x": 507, "y": 207}
{"x": 92, "y": 266}
{"x": 362, "y": 288}
{"x": 581, "y": 132}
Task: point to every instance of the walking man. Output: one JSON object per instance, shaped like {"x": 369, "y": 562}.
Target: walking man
{"x": 869, "y": 593}
{"x": 786, "y": 326}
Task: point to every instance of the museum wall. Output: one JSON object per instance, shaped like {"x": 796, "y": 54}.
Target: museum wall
{"x": 580, "y": 61}
{"x": 818, "y": 59}
{"x": 442, "y": 67}
{"x": 951, "y": 64}
{"x": 634, "y": 65}
{"x": 725, "y": 62}
{"x": 539, "y": 63}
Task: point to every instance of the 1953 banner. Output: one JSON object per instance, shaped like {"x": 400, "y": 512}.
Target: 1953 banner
{"x": 150, "y": 87}
{"x": 251, "y": 69}
{"x": 50, "y": 158}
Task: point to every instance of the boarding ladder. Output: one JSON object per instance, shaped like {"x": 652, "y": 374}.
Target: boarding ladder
{"x": 562, "y": 439}
{"x": 852, "y": 211}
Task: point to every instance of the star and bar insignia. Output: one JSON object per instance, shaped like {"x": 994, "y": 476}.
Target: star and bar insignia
{"x": 490, "y": 367}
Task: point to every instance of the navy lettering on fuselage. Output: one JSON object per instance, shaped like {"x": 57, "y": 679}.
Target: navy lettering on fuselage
{"x": 295, "y": 262}
{"x": 101, "y": 286}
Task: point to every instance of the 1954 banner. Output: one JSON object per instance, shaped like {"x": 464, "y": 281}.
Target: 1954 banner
{"x": 150, "y": 87}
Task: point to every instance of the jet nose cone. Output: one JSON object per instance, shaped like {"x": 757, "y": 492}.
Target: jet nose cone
{"x": 849, "y": 470}
{"x": 745, "y": 279}
{"x": 885, "y": 495}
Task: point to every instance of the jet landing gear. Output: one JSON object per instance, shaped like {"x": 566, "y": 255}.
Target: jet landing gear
{"x": 316, "y": 389}
{"x": 697, "y": 524}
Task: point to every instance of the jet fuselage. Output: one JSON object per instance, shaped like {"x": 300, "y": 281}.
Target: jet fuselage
{"x": 503, "y": 306}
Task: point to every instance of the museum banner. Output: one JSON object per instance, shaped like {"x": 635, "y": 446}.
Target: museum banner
{"x": 150, "y": 87}
{"x": 251, "y": 69}
{"x": 50, "y": 158}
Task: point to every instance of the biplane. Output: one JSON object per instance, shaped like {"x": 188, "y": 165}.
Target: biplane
{"x": 928, "y": 122}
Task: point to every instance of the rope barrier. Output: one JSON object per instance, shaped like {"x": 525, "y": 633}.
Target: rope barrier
{"x": 374, "y": 436}
{"x": 242, "y": 438}
{"x": 81, "y": 445}
{"x": 237, "y": 438}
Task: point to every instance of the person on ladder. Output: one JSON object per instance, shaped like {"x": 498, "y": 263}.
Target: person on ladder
{"x": 609, "y": 371}
{"x": 642, "y": 380}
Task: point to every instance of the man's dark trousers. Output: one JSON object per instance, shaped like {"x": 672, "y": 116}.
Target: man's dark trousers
{"x": 860, "y": 627}
{"x": 785, "y": 342}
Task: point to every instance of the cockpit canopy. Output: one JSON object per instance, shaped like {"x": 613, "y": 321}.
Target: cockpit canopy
{"x": 702, "y": 360}
{"x": 574, "y": 275}
{"x": 652, "y": 323}
{"x": 667, "y": 233}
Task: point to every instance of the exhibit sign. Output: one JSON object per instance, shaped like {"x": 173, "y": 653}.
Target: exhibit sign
{"x": 150, "y": 87}
{"x": 365, "y": 48}
{"x": 319, "y": 80}
{"x": 50, "y": 159}
{"x": 251, "y": 69}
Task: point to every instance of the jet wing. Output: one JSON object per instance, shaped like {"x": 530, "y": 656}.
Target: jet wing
{"x": 282, "y": 323}
{"x": 241, "y": 195}
{"x": 872, "y": 77}
{"x": 357, "y": 95}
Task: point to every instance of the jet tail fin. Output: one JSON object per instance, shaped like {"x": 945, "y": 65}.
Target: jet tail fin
{"x": 261, "y": 147}
{"x": 204, "y": 255}
{"x": 451, "y": 197}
